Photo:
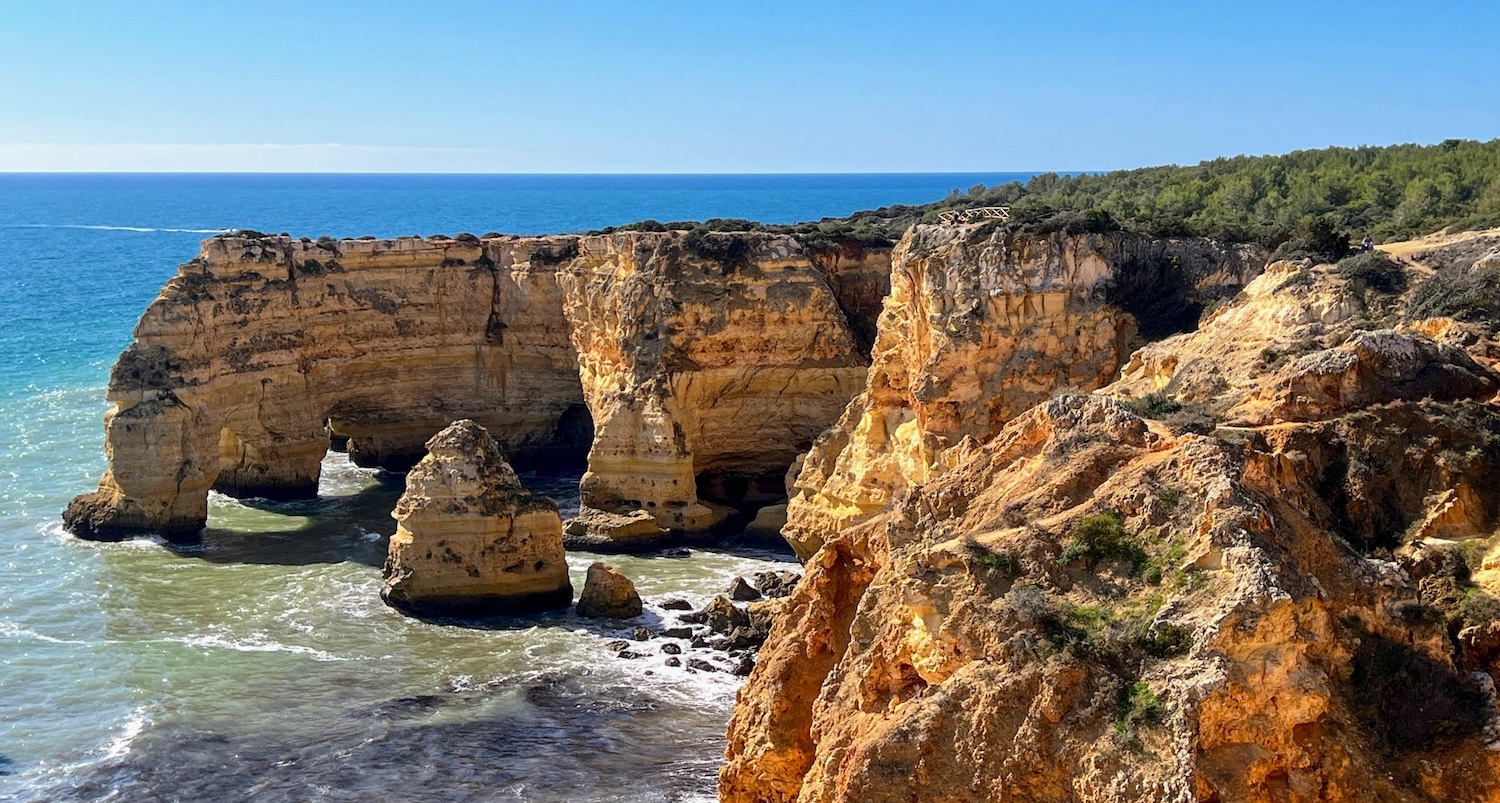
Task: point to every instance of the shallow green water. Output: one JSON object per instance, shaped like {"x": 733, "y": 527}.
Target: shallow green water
{"x": 262, "y": 665}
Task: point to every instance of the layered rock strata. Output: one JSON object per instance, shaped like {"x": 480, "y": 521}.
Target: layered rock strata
{"x": 979, "y": 325}
{"x": 262, "y": 346}
{"x": 710, "y": 359}
{"x": 1298, "y": 604}
{"x": 470, "y": 539}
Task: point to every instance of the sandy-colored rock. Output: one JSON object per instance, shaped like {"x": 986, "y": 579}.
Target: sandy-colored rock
{"x": 1372, "y": 367}
{"x": 709, "y": 360}
{"x": 981, "y": 324}
{"x": 712, "y": 358}
{"x": 1277, "y": 620}
{"x": 261, "y": 346}
{"x": 470, "y": 539}
{"x": 607, "y": 594}
{"x": 948, "y": 649}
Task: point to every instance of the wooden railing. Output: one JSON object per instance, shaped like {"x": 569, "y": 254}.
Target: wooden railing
{"x": 977, "y": 213}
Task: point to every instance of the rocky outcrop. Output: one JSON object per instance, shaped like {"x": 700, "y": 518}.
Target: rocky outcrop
{"x": 471, "y": 541}
{"x": 708, "y": 361}
{"x": 1089, "y": 608}
{"x": 1087, "y": 605}
{"x": 981, "y": 324}
{"x": 1373, "y": 367}
{"x": 262, "y": 346}
{"x": 607, "y": 594}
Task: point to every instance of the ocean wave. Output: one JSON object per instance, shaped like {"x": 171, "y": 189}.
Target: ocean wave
{"x": 141, "y": 229}
{"x": 256, "y": 644}
{"x": 119, "y": 747}
{"x": 12, "y": 630}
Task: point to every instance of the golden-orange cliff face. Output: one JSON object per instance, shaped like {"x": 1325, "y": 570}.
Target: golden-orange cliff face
{"x": 684, "y": 363}
{"x": 1281, "y": 590}
{"x": 708, "y": 360}
{"x": 261, "y": 346}
{"x": 470, "y": 539}
{"x": 981, "y": 324}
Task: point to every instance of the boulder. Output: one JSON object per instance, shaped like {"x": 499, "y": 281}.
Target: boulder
{"x": 607, "y": 594}
{"x": 723, "y": 616}
{"x": 470, "y": 540}
{"x": 774, "y": 585}
{"x": 741, "y": 591}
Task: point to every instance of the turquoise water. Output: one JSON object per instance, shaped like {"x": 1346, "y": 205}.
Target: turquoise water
{"x": 261, "y": 665}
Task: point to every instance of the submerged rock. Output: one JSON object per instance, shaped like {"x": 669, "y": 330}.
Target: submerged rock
{"x": 470, "y": 540}
{"x": 607, "y": 594}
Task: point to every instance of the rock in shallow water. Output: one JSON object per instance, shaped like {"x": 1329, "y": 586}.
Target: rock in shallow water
{"x": 470, "y": 540}
{"x": 741, "y": 591}
{"x": 607, "y": 594}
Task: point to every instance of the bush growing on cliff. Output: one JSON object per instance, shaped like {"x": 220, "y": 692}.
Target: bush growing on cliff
{"x": 1375, "y": 271}
{"x": 1154, "y": 405}
{"x": 1102, "y": 536}
{"x": 1138, "y": 706}
{"x": 1468, "y": 294}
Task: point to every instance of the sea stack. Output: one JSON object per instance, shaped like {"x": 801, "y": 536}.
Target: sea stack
{"x": 471, "y": 541}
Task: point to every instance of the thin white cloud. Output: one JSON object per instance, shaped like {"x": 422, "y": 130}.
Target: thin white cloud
{"x": 247, "y": 158}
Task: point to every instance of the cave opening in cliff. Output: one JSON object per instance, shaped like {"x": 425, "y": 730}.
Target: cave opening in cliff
{"x": 744, "y": 490}
{"x": 568, "y": 448}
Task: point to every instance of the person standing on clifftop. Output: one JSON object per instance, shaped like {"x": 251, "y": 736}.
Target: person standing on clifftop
{"x": 1367, "y": 244}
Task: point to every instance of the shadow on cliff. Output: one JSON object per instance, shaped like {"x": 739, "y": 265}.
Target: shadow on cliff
{"x": 333, "y": 529}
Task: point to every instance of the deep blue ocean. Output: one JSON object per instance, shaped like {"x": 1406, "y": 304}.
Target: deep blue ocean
{"x": 262, "y": 666}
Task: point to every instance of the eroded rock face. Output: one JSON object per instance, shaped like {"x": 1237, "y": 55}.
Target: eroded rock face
{"x": 981, "y": 324}
{"x": 262, "y": 345}
{"x": 472, "y": 541}
{"x": 1091, "y": 606}
{"x": 1088, "y": 608}
{"x": 607, "y": 594}
{"x": 708, "y": 360}
{"x": 1371, "y": 368}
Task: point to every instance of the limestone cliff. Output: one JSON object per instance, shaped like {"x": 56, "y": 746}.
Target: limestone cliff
{"x": 262, "y": 346}
{"x": 471, "y": 540}
{"x": 979, "y": 325}
{"x": 1295, "y": 605}
{"x": 708, "y": 361}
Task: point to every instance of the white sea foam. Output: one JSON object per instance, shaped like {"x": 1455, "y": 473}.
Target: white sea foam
{"x": 142, "y": 229}
{"x": 256, "y": 643}
{"x": 13, "y": 630}
{"x": 120, "y": 746}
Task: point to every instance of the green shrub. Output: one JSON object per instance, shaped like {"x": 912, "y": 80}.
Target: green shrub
{"x": 328, "y": 243}
{"x": 1374, "y": 270}
{"x": 1137, "y": 707}
{"x": 1102, "y": 536}
{"x": 1316, "y": 238}
{"x": 1478, "y": 608}
{"x": 1468, "y": 294}
{"x": 1167, "y": 640}
{"x": 1154, "y": 405}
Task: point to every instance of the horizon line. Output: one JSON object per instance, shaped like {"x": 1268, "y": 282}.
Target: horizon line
{"x": 537, "y": 173}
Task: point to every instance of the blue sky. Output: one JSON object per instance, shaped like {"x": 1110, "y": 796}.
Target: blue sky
{"x": 874, "y": 86}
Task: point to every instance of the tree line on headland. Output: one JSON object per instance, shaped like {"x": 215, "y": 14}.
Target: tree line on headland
{"x": 1300, "y": 198}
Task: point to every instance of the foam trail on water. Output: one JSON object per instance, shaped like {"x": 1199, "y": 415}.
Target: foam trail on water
{"x": 142, "y": 229}
{"x": 120, "y": 747}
